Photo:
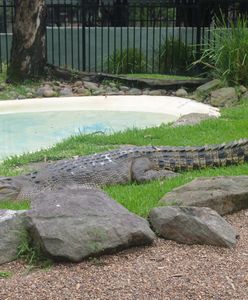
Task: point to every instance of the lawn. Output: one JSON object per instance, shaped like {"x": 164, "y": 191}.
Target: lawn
{"x": 140, "y": 198}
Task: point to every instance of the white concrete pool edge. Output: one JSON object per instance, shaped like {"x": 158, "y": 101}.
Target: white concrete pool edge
{"x": 153, "y": 104}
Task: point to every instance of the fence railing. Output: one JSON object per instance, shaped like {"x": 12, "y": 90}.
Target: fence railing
{"x": 125, "y": 36}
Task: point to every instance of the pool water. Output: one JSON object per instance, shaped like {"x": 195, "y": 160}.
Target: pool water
{"x": 26, "y": 132}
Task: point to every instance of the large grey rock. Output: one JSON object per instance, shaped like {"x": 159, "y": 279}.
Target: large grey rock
{"x": 224, "y": 97}
{"x": 45, "y": 91}
{"x": 75, "y": 223}
{"x": 192, "y": 225}
{"x": 209, "y": 86}
{"x": 191, "y": 119}
{"x": 224, "y": 194}
{"x": 12, "y": 223}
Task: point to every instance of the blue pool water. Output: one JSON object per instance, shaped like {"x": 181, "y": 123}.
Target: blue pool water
{"x": 25, "y": 132}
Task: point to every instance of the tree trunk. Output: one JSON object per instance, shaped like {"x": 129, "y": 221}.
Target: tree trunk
{"x": 28, "y": 44}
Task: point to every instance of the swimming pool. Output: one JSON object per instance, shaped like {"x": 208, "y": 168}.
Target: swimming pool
{"x": 25, "y": 132}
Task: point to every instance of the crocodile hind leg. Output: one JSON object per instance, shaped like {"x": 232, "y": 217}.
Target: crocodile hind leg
{"x": 143, "y": 169}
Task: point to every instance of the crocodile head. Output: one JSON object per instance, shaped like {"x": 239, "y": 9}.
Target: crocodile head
{"x": 9, "y": 188}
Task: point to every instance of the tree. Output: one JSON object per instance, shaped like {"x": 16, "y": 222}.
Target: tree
{"x": 28, "y": 45}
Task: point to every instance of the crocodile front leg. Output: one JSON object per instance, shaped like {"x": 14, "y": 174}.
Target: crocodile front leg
{"x": 143, "y": 169}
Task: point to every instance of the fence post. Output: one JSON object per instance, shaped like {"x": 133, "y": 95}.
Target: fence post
{"x": 198, "y": 29}
{"x": 83, "y": 8}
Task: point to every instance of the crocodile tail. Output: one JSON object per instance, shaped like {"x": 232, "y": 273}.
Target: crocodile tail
{"x": 190, "y": 158}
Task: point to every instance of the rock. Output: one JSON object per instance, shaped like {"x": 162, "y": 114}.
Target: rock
{"x": 49, "y": 93}
{"x": 245, "y": 95}
{"x": 45, "y": 91}
{"x": 181, "y": 93}
{"x": 78, "y": 83}
{"x": 81, "y": 90}
{"x": 146, "y": 92}
{"x": 66, "y": 92}
{"x": 99, "y": 92}
{"x": 124, "y": 88}
{"x": 191, "y": 119}
{"x": 224, "y": 194}
{"x": 134, "y": 91}
{"x": 75, "y": 223}
{"x": 155, "y": 93}
{"x": 209, "y": 86}
{"x": 30, "y": 95}
{"x": 192, "y": 225}
{"x": 121, "y": 93}
{"x": 11, "y": 228}
{"x": 21, "y": 97}
{"x": 224, "y": 97}
{"x": 242, "y": 89}
{"x": 90, "y": 85}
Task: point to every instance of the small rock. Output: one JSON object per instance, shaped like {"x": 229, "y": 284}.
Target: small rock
{"x": 146, "y": 92}
{"x": 21, "y": 97}
{"x": 81, "y": 90}
{"x": 66, "y": 92}
{"x": 90, "y": 85}
{"x": 30, "y": 95}
{"x": 224, "y": 97}
{"x": 209, "y": 86}
{"x": 121, "y": 93}
{"x": 134, "y": 91}
{"x": 242, "y": 89}
{"x": 155, "y": 93}
{"x": 11, "y": 228}
{"x": 181, "y": 93}
{"x": 78, "y": 83}
{"x": 192, "y": 225}
{"x": 245, "y": 95}
{"x": 98, "y": 92}
{"x": 124, "y": 88}
{"x": 49, "y": 93}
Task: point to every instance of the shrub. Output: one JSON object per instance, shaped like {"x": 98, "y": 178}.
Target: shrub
{"x": 226, "y": 55}
{"x": 174, "y": 56}
{"x": 126, "y": 61}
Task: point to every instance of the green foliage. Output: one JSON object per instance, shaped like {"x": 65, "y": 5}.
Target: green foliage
{"x": 30, "y": 253}
{"x": 5, "y": 274}
{"x": 175, "y": 56}
{"x": 15, "y": 205}
{"x": 126, "y": 61}
{"x": 226, "y": 55}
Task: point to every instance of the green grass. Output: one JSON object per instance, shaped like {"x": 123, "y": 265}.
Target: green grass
{"x": 5, "y": 274}
{"x": 11, "y": 91}
{"x": 160, "y": 76}
{"x": 232, "y": 125}
{"x": 15, "y": 205}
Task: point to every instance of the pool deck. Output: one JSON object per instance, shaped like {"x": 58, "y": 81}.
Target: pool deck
{"x": 154, "y": 104}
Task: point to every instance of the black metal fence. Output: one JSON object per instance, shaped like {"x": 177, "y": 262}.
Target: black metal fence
{"x": 125, "y": 36}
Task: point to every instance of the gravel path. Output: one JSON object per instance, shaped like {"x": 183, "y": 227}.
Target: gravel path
{"x": 164, "y": 271}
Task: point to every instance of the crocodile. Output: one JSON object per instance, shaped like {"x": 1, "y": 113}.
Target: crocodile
{"x": 121, "y": 166}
